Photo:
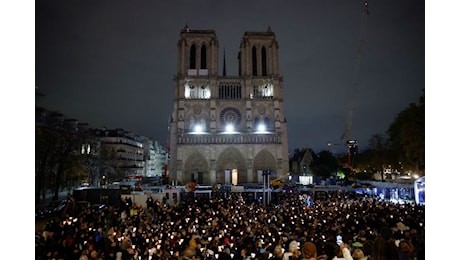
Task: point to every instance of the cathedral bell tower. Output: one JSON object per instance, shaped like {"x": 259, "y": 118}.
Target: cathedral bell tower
{"x": 227, "y": 129}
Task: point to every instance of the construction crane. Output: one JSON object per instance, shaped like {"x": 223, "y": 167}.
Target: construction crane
{"x": 165, "y": 175}
{"x": 352, "y": 145}
{"x": 277, "y": 183}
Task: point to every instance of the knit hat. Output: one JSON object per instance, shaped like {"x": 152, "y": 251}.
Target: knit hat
{"x": 309, "y": 250}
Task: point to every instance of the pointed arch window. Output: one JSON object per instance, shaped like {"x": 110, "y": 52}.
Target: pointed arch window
{"x": 254, "y": 61}
{"x": 203, "y": 57}
{"x": 203, "y": 124}
{"x": 197, "y": 125}
{"x": 261, "y": 125}
{"x": 192, "y": 57}
{"x": 264, "y": 61}
{"x": 267, "y": 122}
{"x": 192, "y": 123}
{"x": 256, "y": 122}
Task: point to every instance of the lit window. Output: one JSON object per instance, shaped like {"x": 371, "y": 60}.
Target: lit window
{"x": 85, "y": 149}
{"x": 187, "y": 90}
{"x": 196, "y": 92}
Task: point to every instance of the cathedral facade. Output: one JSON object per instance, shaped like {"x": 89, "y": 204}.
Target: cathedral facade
{"x": 227, "y": 129}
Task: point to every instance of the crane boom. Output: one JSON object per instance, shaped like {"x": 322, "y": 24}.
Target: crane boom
{"x": 352, "y": 144}
{"x": 347, "y": 133}
{"x": 277, "y": 182}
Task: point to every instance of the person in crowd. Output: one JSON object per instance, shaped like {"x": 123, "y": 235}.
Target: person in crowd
{"x": 358, "y": 254}
{"x": 150, "y": 203}
{"x": 343, "y": 253}
{"x": 293, "y": 252}
{"x": 405, "y": 250}
{"x": 385, "y": 249}
{"x": 189, "y": 254}
{"x": 235, "y": 224}
{"x": 244, "y": 254}
{"x": 83, "y": 257}
{"x": 309, "y": 251}
{"x": 277, "y": 253}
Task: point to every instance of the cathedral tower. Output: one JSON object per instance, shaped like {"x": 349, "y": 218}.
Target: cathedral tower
{"x": 227, "y": 129}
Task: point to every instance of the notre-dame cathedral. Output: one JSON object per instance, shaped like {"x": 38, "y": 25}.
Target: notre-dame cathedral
{"x": 227, "y": 129}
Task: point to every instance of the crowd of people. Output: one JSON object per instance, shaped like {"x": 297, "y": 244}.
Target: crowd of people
{"x": 341, "y": 225}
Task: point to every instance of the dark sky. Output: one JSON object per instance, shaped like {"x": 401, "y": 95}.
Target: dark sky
{"x": 112, "y": 63}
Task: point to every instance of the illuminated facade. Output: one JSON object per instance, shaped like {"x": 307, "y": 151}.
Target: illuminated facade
{"x": 128, "y": 148}
{"x": 155, "y": 158}
{"x": 227, "y": 129}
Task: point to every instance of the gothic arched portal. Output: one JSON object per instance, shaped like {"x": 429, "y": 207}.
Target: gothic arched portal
{"x": 231, "y": 162}
{"x": 196, "y": 169}
{"x": 264, "y": 160}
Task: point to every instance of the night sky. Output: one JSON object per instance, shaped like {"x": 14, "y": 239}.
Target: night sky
{"x": 111, "y": 63}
